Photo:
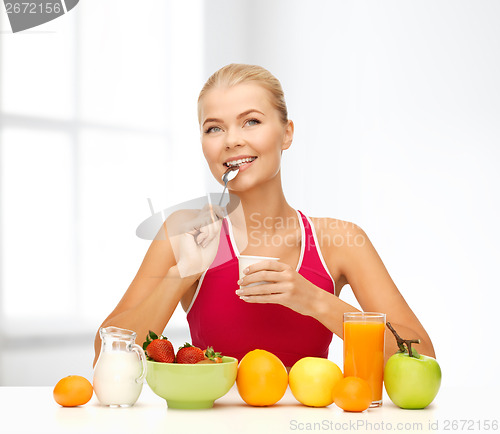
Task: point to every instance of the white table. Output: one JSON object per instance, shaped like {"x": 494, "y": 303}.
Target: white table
{"x": 33, "y": 410}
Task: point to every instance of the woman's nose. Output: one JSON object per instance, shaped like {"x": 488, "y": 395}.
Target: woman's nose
{"x": 233, "y": 138}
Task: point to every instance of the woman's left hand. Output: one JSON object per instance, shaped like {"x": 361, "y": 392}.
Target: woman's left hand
{"x": 285, "y": 287}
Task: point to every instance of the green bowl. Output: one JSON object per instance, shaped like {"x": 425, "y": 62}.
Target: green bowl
{"x": 192, "y": 386}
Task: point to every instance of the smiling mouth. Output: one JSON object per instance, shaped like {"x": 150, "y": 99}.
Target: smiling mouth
{"x": 237, "y": 163}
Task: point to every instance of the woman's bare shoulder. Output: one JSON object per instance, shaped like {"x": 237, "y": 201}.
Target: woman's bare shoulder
{"x": 340, "y": 240}
{"x": 336, "y": 232}
{"x": 181, "y": 215}
{"x": 178, "y": 221}
{"x": 345, "y": 244}
{"x": 334, "y": 236}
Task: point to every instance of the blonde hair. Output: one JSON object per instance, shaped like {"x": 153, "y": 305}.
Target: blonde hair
{"x": 236, "y": 73}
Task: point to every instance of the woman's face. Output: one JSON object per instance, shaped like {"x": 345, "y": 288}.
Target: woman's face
{"x": 238, "y": 123}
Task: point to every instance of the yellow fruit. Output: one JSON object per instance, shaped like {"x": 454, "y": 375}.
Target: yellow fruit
{"x": 72, "y": 391}
{"x": 262, "y": 378}
{"x": 312, "y": 380}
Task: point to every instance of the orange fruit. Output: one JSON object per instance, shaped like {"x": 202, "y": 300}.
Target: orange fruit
{"x": 352, "y": 394}
{"x": 73, "y": 390}
{"x": 262, "y": 378}
{"x": 312, "y": 380}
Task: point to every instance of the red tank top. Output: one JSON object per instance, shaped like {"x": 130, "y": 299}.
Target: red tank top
{"x": 217, "y": 317}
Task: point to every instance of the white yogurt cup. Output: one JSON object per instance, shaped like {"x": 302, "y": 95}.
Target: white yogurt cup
{"x": 245, "y": 261}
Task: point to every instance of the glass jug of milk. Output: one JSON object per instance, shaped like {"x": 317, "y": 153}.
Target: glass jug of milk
{"x": 120, "y": 370}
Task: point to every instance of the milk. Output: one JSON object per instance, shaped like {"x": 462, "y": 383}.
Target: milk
{"x": 115, "y": 378}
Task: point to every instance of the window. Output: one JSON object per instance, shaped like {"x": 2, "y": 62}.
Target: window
{"x": 97, "y": 114}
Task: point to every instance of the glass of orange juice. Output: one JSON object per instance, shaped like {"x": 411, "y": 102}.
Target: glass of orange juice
{"x": 364, "y": 341}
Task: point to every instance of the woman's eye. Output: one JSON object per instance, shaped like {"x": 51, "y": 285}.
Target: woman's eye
{"x": 252, "y": 122}
{"x": 212, "y": 130}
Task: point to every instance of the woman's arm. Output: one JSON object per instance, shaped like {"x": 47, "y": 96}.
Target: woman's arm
{"x": 356, "y": 261}
{"x": 153, "y": 295}
{"x": 184, "y": 247}
{"x": 359, "y": 262}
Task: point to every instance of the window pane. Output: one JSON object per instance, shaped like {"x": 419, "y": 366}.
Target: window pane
{"x": 37, "y": 69}
{"x": 119, "y": 172}
{"x": 37, "y": 223}
{"x": 124, "y": 72}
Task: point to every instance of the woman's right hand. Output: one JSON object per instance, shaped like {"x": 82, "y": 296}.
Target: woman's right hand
{"x": 194, "y": 236}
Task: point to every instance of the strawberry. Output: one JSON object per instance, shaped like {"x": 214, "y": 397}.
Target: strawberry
{"x": 190, "y": 354}
{"x": 159, "y": 349}
{"x": 210, "y": 354}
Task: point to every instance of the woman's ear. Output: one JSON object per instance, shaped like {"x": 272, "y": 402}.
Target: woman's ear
{"x": 288, "y": 136}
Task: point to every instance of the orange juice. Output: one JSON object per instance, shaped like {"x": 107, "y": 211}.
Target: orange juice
{"x": 364, "y": 350}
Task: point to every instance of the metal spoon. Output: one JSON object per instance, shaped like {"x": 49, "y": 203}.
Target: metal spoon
{"x": 229, "y": 175}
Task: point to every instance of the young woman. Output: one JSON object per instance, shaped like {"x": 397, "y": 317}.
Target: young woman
{"x": 244, "y": 121}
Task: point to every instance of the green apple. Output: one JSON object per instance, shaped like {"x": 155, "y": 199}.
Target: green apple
{"x": 411, "y": 380}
